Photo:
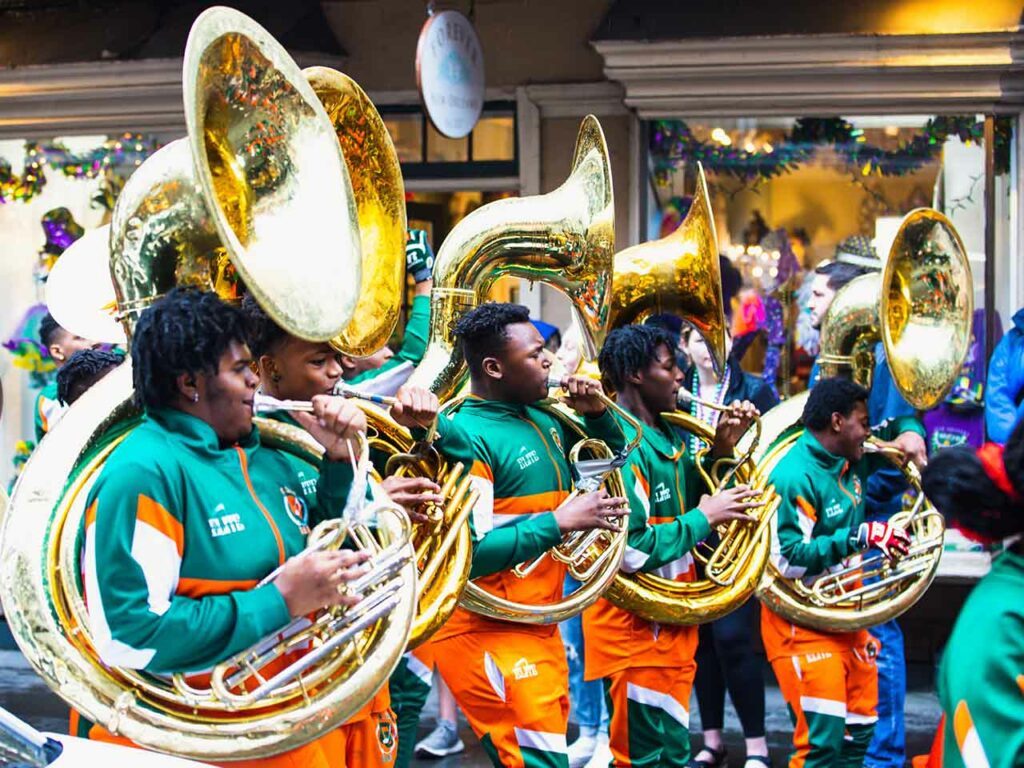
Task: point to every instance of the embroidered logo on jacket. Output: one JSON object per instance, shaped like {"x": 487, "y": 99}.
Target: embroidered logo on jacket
{"x": 527, "y": 458}
{"x": 295, "y": 506}
{"x": 662, "y": 493}
{"x": 308, "y": 484}
{"x": 224, "y": 525}
{"x": 386, "y": 737}
{"x": 834, "y": 509}
{"x": 523, "y": 669}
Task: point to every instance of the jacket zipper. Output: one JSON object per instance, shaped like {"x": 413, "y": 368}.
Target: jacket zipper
{"x": 252, "y": 492}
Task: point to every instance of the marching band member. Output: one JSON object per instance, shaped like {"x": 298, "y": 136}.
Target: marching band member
{"x": 648, "y": 669}
{"x": 510, "y": 679}
{"x": 82, "y": 370}
{"x": 891, "y": 418}
{"x": 829, "y": 680}
{"x": 61, "y": 344}
{"x": 295, "y": 369}
{"x": 981, "y": 678}
{"x": 191, "y": 511}
{"x": 727, "y": 653}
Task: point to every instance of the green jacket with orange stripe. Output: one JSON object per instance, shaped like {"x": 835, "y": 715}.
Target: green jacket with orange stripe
{"x": 821, "y": 507}
{"x": 180, "y": 529}
{"x": 517, "y": 459}
{"x": 981, "y": 679}
{"x": 663, "y": 488}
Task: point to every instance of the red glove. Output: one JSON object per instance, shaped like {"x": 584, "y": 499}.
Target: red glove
{"x": 889, "y": 538}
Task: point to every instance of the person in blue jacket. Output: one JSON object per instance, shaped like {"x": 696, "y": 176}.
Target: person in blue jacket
{"x": 1004, "y": 398}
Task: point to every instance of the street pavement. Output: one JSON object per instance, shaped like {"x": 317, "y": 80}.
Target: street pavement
{"x": 24, "y": 694}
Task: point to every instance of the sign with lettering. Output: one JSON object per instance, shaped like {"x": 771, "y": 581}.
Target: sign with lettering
{"x": 450, "y": 73}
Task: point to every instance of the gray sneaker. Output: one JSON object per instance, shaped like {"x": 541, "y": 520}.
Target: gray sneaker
{"x": 442, "y": 741}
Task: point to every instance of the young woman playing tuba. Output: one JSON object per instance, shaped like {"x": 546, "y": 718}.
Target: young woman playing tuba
{"x": 191, "y": 511}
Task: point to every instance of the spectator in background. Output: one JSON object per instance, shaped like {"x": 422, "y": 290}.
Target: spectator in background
{"x": 82, "y": 370}
{"x": 61, "y": 344}
{"x": 1003, "y": 400}
{"x": 551, "y": 335}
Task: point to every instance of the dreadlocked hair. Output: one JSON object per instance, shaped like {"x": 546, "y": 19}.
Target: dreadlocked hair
{"x": 835, "y": 395}
{"x": 48, "y": 330}
{"x": 482, "y": 331}
{"x": 82, "y": 370}
{"x": 631, "y": 349}
{"x": 186, "y": 331}
{"x": 264, "y": 334}
{"x": 955, "y": 481}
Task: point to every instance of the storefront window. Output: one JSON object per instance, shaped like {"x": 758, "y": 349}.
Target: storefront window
{"x": 407, "y": 133}
{"x": 441, "y": 149}
{"x": 788, "y": 194}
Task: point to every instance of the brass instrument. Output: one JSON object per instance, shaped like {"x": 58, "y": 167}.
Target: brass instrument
{"x": 564, "y": 239}
{"x": 592, "y": 557}
{"x": 678, "y": 274}
{"x": 681, "y": 274}
{"x": 262, "y": 163}
{"x": 442, "y": 546}
{"x": 920, "y": 309}
{"x": 379, "y": 195}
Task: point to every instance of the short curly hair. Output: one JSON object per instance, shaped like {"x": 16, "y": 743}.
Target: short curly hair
{"x": 186, "y": 331}
{"x": 264, "y": 334}
{"x": 82, "y": 370}
{"x": 482, "y": 331}
{"x": 836, "y": 395}
{"x": 630, "y": 349}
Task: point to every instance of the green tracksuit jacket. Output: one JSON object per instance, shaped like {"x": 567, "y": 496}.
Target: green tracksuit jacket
{"x": 414, "y": 343}
{"x": 517, "y": 459}
{"x": 981, "y": 680}
{"x": 821, "y": 508}
{"x": 179, "y": 530}
{"x": 663, "y": 488}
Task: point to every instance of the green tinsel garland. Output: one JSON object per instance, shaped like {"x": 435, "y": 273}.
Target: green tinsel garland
{"x": 673, "y": 144}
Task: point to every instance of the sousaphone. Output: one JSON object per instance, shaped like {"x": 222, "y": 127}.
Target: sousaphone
{"x": 920, "y": 308}
{"x": 227, "y": 208}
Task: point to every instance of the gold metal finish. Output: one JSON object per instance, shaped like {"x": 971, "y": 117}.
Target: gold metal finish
{"x": 442, "y": 544}
{"x": 268, "y": 162}
{"x": 44, "y": 606}
{"x": 592, "y": 557}
{"x": 380, "y": 202}
{"x": 564, "y": 239}
{"x": 841, "y": 601}
{"x": 732, "y": 569}
{"x": 921, "y": 310}
{"x": 926, "y": 317}
{"x": 261, "y": 170}
{"x": 850, "y": 330}
{"x": 679, "y": 274}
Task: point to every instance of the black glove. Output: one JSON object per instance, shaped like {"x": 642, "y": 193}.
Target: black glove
{"x": 419, "y": 256}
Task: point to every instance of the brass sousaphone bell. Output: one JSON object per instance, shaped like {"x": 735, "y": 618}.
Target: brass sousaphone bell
{"x": 920, "y": 308}
{"x": 261, "y": 169}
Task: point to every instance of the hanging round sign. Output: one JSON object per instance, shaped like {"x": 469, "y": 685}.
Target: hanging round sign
{"x": 450, "y": 73}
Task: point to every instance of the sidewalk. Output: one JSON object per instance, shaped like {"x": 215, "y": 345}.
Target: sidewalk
{"x": 23, "y": 693}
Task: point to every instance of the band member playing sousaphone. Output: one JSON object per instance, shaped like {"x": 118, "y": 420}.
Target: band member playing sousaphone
{"x": 191, "y": 511}
{"x": 511, "y": 679}
{"x": 828, "y": 679}
{"x": 299, "y": 370}
{"x": 647, "y": 668}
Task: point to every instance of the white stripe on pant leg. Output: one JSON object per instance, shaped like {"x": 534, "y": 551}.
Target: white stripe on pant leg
{"x": 418, "y": 668}
{"x": 823, "y": 706}
{"x": 544, "y": 741}
{"x": 663, "y": 701}
{"x": 852, "y": 718}
{"x": 495, "y": 676}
